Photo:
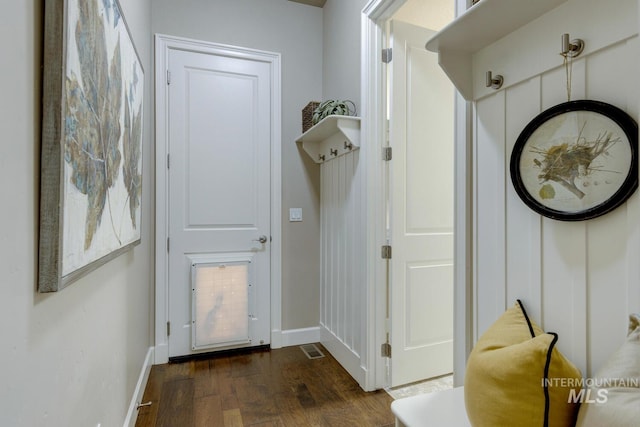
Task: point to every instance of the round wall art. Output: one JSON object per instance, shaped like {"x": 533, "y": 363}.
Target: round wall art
{"x": 576, "y": 160}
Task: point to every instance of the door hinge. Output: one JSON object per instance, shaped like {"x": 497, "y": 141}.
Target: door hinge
{"x": 168, "y": 328}
{"x": 385, "y": 350}
{"x": 386, "y": 252}
{"x": 168, "y": 161}
{"x": 387, "y": 55}
{"x": 168, "y": 77}
{"x": 387, "y": 154}
{"x": 167, "y": 244}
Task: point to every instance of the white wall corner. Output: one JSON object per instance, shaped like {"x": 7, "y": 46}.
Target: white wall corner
{"x": 132, "y": 413}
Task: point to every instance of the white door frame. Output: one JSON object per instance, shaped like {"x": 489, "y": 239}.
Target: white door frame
{"x": 374, "y": 17}
{"x": 163, "y": 45}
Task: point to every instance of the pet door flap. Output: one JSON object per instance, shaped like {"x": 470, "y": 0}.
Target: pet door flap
{"x": 220, "y": 304}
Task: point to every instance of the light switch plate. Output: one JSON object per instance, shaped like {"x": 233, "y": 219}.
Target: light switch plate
{"x": 295, "y": 214}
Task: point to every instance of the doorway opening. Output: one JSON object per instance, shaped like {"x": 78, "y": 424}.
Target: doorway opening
{"x": 420, "y": 283}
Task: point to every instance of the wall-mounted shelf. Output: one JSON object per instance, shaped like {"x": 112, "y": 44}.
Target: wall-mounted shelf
{"x": 332, "y": 137}
{"x": 478, "y": 27}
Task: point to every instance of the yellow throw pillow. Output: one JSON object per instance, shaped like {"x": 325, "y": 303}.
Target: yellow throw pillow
{"x": 614, "y": 399}
{"x": 516, "y": 377}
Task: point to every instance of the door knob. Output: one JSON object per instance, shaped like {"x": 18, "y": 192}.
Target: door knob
{"x": 261, "y": 239}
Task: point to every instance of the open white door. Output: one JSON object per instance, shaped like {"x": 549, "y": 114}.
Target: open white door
{"x": 421, "y": 175}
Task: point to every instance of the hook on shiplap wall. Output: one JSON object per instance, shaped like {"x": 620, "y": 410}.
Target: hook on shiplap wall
{"x": 571, "y": 48}
{"x": 494, "y": 82}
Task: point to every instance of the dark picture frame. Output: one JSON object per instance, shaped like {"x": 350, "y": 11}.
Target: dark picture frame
{"x": 576, "y": 161}
{"x": 91, "y": 152}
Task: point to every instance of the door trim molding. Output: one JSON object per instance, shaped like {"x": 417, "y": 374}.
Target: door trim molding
{"x": 374, "y": 17}
{"x": 163, "y": 45}
{"x": 373, "y": 127}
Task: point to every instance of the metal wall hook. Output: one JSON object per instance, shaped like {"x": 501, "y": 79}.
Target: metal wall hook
{"x": 321, "y": 157}
{"x": 494, "y": 82}
{"x": 571, "y": 48}
{"x": 348, "y": 146}
{"x": 333, "y": 152}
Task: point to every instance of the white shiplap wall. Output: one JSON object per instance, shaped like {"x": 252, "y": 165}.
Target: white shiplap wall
{"x": 342, "y": 283}
{"x": 579, "y": 279}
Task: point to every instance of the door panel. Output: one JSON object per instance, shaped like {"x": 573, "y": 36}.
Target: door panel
{"x": 421, "y": 209}
{"x": 426, "y": 282}
{"x": 219, "y": 193}
{"x": 233, "y": 152}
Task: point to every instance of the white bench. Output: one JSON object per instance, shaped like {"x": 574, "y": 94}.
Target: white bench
{"x": 443, "y": 408}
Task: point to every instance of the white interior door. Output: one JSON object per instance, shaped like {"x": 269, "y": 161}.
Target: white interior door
{"x": 421, "y": 209}
{"x": 219, "y": 127}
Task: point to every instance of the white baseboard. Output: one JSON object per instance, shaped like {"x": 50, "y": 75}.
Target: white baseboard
{"x": 132, "y": 413}
{"x": 293, "y": 337}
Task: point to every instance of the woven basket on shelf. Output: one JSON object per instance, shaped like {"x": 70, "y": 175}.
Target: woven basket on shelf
{"x": 307, "y": 114}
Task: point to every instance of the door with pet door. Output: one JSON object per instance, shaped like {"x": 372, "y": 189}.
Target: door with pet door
{"x": 219, "y": 126}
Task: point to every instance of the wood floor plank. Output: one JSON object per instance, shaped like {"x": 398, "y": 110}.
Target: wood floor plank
{"x": 261, "y": 389}
{"x": 304, "y": 396}
{"x": 147, "y": 415}
{"x": 255, "y": 399}
{"x": 205, "y": 381}
{"x": 374, "y": 408}
{"x": 273, "y": 423}
{"x": 207, "y": 412}
{"x": 291, "y": 412}
{"x": 176, "y": 404}
{"x": 232, "y": 418}
{"x": 245, "y": 365}
{"x": 180, "y": 370}
{"x": 221, "y": 370}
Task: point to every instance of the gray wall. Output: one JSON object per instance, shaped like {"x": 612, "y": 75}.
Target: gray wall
{"x": 341, "y": 50}
{"x": 70, "y": 358}
{"x": 295, "y": 31}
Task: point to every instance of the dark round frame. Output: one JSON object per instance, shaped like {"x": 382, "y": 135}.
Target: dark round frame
{"x": 629, "y": 185}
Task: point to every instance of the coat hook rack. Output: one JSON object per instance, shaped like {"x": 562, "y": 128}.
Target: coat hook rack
{"x": 494, "y": 82}
{"x": 571, "y": 48}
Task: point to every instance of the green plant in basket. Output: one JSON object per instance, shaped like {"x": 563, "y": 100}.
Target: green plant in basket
{"x": 333, "y": 107}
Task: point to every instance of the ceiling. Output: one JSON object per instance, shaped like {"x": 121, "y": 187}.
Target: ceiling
{"x": 317, "y": 3}
{"x": 432, "y": 14}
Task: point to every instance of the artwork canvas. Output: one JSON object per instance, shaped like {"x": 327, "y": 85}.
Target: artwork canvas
{"x": 91, "y": 160}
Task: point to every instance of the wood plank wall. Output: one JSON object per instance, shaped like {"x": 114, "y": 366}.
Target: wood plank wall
{"x": 579, "y": 279}
{"x": 342, "y": 283}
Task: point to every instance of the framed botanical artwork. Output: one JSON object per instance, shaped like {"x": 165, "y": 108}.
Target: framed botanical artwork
{"x": 577, "y": 160}
{"x": 91, "y": 154}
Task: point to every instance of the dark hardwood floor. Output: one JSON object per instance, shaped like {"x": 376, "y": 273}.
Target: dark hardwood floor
{"x": 264, "y": 388}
